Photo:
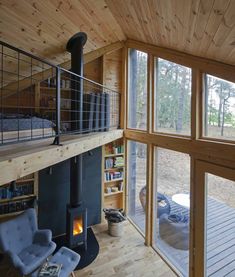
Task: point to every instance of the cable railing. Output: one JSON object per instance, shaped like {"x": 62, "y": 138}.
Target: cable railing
{"x": 41, "y": 100}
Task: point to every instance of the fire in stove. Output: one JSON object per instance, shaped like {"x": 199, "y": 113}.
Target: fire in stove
{"x": 77, "y": 226}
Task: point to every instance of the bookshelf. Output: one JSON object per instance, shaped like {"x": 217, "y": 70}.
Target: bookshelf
{"x": 113, "y": 180}
{"x": 15, "y": 198}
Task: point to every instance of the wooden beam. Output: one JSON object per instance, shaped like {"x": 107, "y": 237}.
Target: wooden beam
{"x": 11, "y": 88}
{"x": 25, "y": 159}
{"x": 215, "y": 68}
{"x": 215, "y": 152}
{"x": 88, "y": 57}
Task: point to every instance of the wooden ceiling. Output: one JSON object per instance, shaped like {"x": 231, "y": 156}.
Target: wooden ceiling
{"x": 203, "y": 28}
{"x": 43, "y": 27}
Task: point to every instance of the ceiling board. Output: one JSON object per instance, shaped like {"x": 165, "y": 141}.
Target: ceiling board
{"x": 44, "y": 27}
{"x": 201, "y": 28}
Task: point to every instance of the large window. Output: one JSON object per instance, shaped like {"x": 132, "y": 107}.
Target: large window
{"x": 219, "y": 108}
{"x": 173, "y": 98}
{"x": 137, "y": 183}
{"x": 184, "y": 104}
{"x": 137, "y": 91}
{"x": 172, "y": 206}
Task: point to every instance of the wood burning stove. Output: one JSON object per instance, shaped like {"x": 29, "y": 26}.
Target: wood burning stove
{"x": 76, "y": 223}
{"x": 76, "y": 226}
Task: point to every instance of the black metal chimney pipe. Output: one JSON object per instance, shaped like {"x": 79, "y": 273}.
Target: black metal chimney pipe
{"x": 75, "y": 47}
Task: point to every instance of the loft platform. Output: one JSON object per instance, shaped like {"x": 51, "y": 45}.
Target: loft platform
{"x": 21, "y": 159}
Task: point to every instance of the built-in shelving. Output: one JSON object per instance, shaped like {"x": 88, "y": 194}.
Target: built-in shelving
{"x": 16, "y": 198}
{"x": 113, "y": 165}
{"x": 112, "y": 193}
{"x": 113, "y": 155}
{"x": 114, "y": 168}
{"x": 114, "y": 180}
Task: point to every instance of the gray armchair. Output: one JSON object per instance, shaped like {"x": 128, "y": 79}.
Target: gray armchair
{"x": 25, "y": 245}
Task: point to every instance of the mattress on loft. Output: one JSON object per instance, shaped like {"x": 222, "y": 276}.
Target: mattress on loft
{"x": 20, "y": 127}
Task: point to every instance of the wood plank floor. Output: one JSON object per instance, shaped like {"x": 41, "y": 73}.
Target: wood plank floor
{"x": 125, "y": 257}
{"x": 220, "y": 238}
{"x": 120, "y": 257}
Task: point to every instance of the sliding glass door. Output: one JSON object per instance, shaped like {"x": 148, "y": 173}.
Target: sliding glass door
{"x": 220, "y": 226}
{"x": 172, "y": 207}
{"x": 137, "y": 160}
{"x": 215, "y": 232}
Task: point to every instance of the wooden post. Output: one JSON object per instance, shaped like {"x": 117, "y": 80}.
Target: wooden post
{"x": 124, "y": 89}
{"x": 149, "y": 192}
{"x": 149, "y": 93}
{"x": 192, "y": 215}
{"x": 196, "y": 104}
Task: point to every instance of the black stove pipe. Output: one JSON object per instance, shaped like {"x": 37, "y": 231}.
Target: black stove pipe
{"x": 75, "y": 47}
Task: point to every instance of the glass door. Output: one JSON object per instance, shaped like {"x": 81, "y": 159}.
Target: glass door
{"x": 137, "y": 181}
{"x": 172, "y": 207}
{"x": 216, "y": 232}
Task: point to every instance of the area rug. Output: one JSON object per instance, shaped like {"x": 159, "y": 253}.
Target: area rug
{"x": 87, "y": 257}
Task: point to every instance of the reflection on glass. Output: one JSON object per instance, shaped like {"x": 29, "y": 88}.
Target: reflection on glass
{"x": 137, "y": 90}
{"x": 172, "y": 206}
{"x": 219, "y": 108}
{"x": 173, "y": 98}
{"x": 137, "y": 183}
{"x": 220, "y": 227}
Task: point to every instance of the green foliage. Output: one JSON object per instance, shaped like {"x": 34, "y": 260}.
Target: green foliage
{"x": 220, "y": 104}
{"x": 173, "y": 96}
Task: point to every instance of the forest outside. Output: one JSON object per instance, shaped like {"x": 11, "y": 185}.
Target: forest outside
{"x": 173, "y": 98}
{"x": 173, "y": 90}
{"x": 219, "y": 108}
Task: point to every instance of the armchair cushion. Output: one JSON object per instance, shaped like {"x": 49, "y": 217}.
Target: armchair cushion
{"x": 34, "y": 255}
{"x": 25, "y": 245}
{"x": 42, "y": 237}
{"x": 14, "y": 259}
{"x": 17, "y": 233}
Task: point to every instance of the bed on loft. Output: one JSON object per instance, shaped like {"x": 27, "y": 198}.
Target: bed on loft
{"x": 19, "y": 127}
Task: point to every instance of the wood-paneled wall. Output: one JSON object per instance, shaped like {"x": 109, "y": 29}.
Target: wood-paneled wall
{"x": 112, "y": 70}
{"x": 93, "y": 70}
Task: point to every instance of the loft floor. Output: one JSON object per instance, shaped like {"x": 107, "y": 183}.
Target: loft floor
{"x": 124, "y": 257}
{"x": 19, "y": 160}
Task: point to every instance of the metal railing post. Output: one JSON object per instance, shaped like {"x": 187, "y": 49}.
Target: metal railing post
{"x": 58, "y": 98}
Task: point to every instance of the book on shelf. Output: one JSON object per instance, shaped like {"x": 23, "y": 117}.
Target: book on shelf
{"x": 17, "y": 206}
{"x": 118, "y": 149}
{"x": 110, "y": 190}
{"x": 109, "y": 176}
{"x": 109, "y": 163}
{"x": 121, "y": 186}
{"x": 119, "y": 162}
{"x": 22, "y": 189}
{"x": 113, "y": 149}
{"x": 50, "y": 269}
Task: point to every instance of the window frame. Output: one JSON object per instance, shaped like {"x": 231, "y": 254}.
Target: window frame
{"x": 202, "y": 135}
{"x": 154, "y": 114}
{"x": 128, "y": 95}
